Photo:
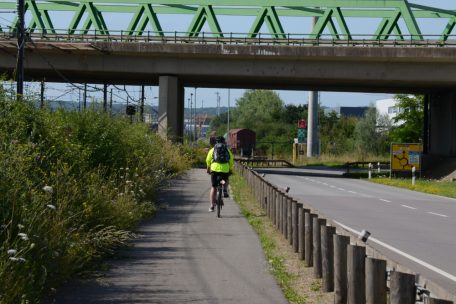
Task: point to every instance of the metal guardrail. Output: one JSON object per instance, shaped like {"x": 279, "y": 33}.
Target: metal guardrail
{"x": 265, "y": 163}
{"x": 236, "y": 39}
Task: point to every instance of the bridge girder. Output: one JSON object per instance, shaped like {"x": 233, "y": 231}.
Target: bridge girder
{"x": 398, "y": 19}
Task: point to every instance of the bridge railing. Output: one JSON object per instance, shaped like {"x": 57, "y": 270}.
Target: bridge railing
{"x": 361, "y": 40}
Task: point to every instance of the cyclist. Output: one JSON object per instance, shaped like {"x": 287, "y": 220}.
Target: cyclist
{"x": 220, "y": 162}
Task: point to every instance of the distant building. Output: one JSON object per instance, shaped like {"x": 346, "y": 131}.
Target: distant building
{"x": 347, "y": 111}
{"x": 388, "y": 107}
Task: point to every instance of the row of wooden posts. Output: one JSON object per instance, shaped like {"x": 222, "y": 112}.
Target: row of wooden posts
{"x": 343, "y": 267}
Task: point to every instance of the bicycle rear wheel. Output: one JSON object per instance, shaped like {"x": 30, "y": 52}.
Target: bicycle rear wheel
{"x": 219, "y": 200}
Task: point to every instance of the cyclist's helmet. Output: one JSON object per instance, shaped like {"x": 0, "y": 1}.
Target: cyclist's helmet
{"x": 220, "y": 140}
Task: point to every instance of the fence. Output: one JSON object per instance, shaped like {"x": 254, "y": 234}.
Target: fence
{"x": 346, "y": 265}
{"x": 176, "y": 37}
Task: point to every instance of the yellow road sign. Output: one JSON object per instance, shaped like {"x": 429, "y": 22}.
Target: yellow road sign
{"x": 406, "y": 156}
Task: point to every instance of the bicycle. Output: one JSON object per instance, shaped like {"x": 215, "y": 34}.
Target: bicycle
{"x": 219, "y": 193}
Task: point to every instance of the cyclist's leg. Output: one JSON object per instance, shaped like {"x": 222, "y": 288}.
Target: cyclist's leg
{"x": 225, "y": 187}
{"x": 213, "y": 191}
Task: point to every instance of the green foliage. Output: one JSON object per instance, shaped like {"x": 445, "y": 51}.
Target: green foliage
{"x": 410, "y": 118}
{"x": 72, "y": 185}
{"x": 275, "y": 125}
{"x": 337, "y": 133}
{"x": 369, "y": 139}
{"x": 257, "y": 107}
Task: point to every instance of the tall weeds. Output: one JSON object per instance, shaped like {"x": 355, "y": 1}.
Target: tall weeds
{"x": 72, "y": 187}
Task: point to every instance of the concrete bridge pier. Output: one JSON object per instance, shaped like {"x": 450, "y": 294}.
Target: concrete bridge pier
{"x": 439, "y": 144}
{"x": 442, "y": 124}
{"x": 171, "y": 108}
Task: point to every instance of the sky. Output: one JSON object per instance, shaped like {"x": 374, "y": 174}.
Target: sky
{"x": 208, "y": 97}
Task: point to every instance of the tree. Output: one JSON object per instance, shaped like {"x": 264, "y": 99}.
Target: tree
{"x": 337, "y": 133}
{"x": 410, "y": 119}
{"x": 370, "y": 136}
{"x": 257, "y": 107}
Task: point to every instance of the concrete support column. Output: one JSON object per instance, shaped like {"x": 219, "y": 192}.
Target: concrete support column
{"x": 171, "y": 108}
{"x": 312, "y": 125}
{"x": 442, "y": 123}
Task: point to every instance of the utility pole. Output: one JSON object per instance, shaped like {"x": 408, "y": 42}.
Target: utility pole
{"x": 218, "y": 103}
{"x": 187, "y": 126}
{"x": 228, "y": 123}
{"x": 105, "y": 97}
{"x": 191, "y": 117}
{"x": 194, "y": 126}
{"x": 141, "y": 107}
{"x": 20, "y": 49}
{"x": 85, "y": 97}
{"x": 110, "y": 103}
{"x": 79, "y": 99}
{"x": 42, "y": 94}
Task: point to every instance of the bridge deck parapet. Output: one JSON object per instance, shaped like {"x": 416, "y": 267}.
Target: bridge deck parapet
{"x": 237, "y": 39}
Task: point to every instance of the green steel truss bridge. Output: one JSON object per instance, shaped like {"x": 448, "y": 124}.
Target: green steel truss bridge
{"x": 396, "y": 20}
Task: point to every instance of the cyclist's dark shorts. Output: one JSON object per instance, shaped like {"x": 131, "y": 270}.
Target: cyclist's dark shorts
{"x": 214, "y": 176}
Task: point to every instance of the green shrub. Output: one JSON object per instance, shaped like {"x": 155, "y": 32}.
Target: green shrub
{"x": 72, "y": 187}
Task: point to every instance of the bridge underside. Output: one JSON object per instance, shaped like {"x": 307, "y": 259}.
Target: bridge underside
{"x": 350, "y": 69}
{"x": 429, "y": 71}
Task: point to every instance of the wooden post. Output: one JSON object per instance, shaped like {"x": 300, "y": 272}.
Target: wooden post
{"x": 340, "y": 268}
{"x": 270, "y": 201}
{"x": 301, "y": 232}
{"x": 262, "y": 195}
{"x": 274, "y": 211}
{"x": 356, "y": 274}
{"x": 274, "y": 190}
{"x": 276, "y": 208}
{"x": 375, "y": 281}
{"x": 294, "y": 220}
{"x": 402, "y": 288}
{"x": 317, "y": 246}
{"x": 436, "y": 301}
{"x": 289, "y": 227}
{"x": 265, "y": 188}
{"x": 308, "y": 238}
{"x": 281, "y": 198}
{"x": 327, "y": 254}
{"x": 293, "y": 210}
{"x": 283, "y": 214}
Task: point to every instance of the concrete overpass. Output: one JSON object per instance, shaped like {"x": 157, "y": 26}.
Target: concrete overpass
{"x": 427, "y": 69}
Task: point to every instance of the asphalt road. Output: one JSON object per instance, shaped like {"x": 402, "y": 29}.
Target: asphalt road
{"x": 414, "y": 229}
{"x": 185, "y": 255}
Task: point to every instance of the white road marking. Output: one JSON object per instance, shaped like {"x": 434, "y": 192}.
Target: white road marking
{"x": 325, "y": 184}
{"x": 353, "y": 192}
{"x": 384, "y": 200}
{"x": 332, "y": 186}
{"x": 341, "y": 189}
{"x": 408, "y": 256}
{"x": 409, "y": 207}
{"x": 438, "y": 214}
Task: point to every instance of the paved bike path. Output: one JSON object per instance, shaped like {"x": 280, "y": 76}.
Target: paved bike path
{"x": 186, "y": 255}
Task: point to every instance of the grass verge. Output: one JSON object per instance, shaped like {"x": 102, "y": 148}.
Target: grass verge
{"x": 447, "y": 189}
{"x": 296, "y": 281}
